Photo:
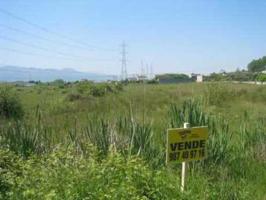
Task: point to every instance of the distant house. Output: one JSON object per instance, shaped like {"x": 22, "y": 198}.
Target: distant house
{"x": 197, "y": 77}
{"x": 138, "y": 77}
{"x": 142, "y": 78}
{"x": 133, "y": 78}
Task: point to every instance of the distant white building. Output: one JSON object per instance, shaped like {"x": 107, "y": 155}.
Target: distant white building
{"x": 197, "y": 77}
{"x": 132, "y": 78}
{"x": 143, "y": 77}
{"x": 139, "y": 77}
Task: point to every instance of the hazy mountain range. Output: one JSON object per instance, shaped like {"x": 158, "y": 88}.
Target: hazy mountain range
{"x": 15, "y": 73}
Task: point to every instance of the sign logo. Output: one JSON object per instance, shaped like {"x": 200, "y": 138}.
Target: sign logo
{"x": 183, "y": 134}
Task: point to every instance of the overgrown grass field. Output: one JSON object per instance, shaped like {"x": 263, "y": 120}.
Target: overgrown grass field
{"x": 107, "y": 141}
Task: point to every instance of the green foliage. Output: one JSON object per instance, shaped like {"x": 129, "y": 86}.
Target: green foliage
{"x": 113, "y": 147}
{"x": 98, "y": 90}
{"x": 217, "y": 77}
{"x": 118, "y": 86}
{"x": 83, "y": 89}
{"x": 10, "y": 168}
{"x": 190, "y": 112}
{"x": 217, "y": 94}
{"x": 64, "y": 174}
{"x": 26, "y": 139}
{"x": 261, "y": 77}
{"x": 241, "y": 76}
{"x": 173, "y": 78}
{"x": 84, "y": 86}
{"x": 139, "y": 140}
{"x": 73, "y": 96}
{"x": 219, "y": 136}
{"x": 257, "y": 65}
{"x": 153, "y": 81}
{"x": 231, "y": 76}
{"x": 219, "y": 142}
{"x": 99, "y": 133}
{"x": 10, "y": 106}
{"x": 59, "y": 83}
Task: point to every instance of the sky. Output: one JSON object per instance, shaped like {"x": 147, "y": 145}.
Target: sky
{"x": 172, "y": 36}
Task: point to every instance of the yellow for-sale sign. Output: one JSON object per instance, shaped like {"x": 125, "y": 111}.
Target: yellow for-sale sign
{"x": 186, "y": 144}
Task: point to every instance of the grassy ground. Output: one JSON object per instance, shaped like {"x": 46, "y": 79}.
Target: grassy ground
{"x": 126, "y": 128}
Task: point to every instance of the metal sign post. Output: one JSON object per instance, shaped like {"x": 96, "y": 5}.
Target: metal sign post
{"x": 186, "y": 144}
{"x": 184, "y": 167}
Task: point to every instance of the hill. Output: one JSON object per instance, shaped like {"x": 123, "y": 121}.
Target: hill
{"x": 15, "y": 73}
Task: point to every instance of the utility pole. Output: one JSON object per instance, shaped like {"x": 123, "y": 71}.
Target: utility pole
{"x": 124, "y": 62}
{"x": 151, "y": 72}
{"x": 142, "y": 71}
{"x": 147, "y": 70}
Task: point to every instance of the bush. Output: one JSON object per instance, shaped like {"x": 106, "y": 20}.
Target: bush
{"x": 10, "y": 106}
{"x": 73, "y": 97}
{"x": 261, "y": 77}
{"x": 84, "y": 86}
{"x": 64, "y": 174}
{"x": 58, "y": 82}
{"x": 119, "y": 86}
{"x": 9, "y": 169}
{"x": 98, "y": 90}
{"x": 173, "y": 78}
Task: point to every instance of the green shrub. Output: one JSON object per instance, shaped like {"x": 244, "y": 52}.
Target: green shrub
{"x": 97, "y": 90}
{"x": 261, "y": 77}
{"x": 84, "y": 86}
{"x": 10, "y": 106}
{"x": 173, "y": 78}
{"x": 60, "y": 83}
{"x": 10, "y": 168}
{"x": 64, "y": 174}
{"x": 119, "y": 86}
{"x": 73, "y": 97}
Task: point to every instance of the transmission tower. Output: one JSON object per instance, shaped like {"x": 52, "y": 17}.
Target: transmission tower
{"x": 124, "y": 63}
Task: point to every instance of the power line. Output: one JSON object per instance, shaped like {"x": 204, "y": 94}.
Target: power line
{"x": 36, "y": 46}
{"x": 69, "y": 56}
{"x": 30, "y": 53}
{"x": 40, "y": 37}
{"x": 20, "y": 52}
{"x": 36, "y": 54}
{"x": 44, "y": 29}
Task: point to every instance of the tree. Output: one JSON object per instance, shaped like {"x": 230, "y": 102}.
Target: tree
{"x": 257, "y": 65}
{"x": 58, "y": 82}
{"x": 261, "y": 77}
{"x": 173, "y": 78}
